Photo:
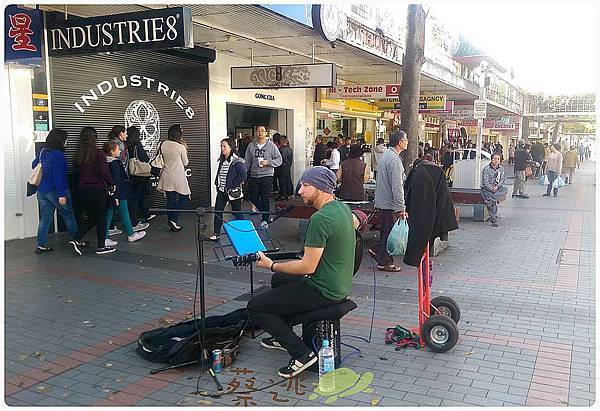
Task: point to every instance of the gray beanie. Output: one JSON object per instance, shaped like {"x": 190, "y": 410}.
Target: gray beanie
{"x": 320, "y": 178}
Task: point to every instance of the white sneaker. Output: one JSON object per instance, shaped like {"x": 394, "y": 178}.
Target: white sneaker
{"x": 141, "y": 226}
{"x": 114, "y": 231}
{"x": 263, "y": 224}
{"x": 136, "y": 236}
{"x": 110, "y": 243}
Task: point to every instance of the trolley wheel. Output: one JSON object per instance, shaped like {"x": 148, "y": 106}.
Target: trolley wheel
{"x": 445, "y": 306}
{"x": 440, "y": 333}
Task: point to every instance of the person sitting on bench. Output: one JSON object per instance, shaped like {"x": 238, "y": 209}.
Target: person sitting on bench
{"x": 323, "y": 276}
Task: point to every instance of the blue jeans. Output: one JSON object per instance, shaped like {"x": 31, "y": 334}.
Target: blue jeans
{"x": 48, "y": 203}
{"x": 124, "y": 213}
{"x": 552, "y": 175}
{"x": 175, "y": 201}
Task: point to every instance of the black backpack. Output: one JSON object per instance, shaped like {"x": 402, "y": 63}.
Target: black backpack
{"x": 180, "y": 343}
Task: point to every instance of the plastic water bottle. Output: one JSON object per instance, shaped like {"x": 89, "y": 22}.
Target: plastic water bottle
{"x": 326, "y": 368}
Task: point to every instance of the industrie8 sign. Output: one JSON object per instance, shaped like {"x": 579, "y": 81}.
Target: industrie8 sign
{"x": 152, "y": 29}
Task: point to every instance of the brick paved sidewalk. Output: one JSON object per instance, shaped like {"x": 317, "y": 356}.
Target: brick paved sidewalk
{"x": 526, "y": 291}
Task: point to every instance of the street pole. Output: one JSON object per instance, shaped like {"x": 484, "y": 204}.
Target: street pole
{"x": 484, "y": 66}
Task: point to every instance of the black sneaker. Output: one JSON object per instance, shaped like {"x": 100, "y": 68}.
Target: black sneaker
{"x": 271, "y": 344}
{"x": 494, "y": 223}
{"x": 295, "y": 367}
{"x": 83, "y": 243}
{"x": 75, "y": 246}
{"x": 373, "y": 254}
{"x": 41, "y": 250}
{"x": 106, "y": 250}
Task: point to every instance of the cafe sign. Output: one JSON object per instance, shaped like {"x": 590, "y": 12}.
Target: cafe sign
{"x": 283, "y": 76}
{"x": 152, "y": 29}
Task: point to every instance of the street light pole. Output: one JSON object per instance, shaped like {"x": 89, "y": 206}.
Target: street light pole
{"x": 483, "y": 68}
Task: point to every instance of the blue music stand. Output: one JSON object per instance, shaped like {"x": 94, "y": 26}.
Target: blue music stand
{"x": 244, "y": 237}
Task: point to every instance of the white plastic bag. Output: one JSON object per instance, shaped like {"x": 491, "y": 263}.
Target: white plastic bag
{"x": 398, "y": 238}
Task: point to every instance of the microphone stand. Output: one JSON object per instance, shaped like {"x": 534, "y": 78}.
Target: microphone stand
{"x": 200, "y": 239}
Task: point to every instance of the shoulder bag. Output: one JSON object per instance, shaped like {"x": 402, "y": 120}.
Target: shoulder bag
{"x": 136, "y": 167}
{"x": 157, "y": 164}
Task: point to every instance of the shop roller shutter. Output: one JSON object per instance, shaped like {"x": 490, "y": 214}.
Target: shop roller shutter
{"x": 73, "y": 76}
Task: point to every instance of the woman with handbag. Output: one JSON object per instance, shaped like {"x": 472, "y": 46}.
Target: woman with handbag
{"x": 231, "y": 173}
{"x": 139, "y": 174}
{"x": 95, "y": 182}
{"x": 553, "y": 169}
{"x": 53, "y": 191}
{"x": 173, "y": 180}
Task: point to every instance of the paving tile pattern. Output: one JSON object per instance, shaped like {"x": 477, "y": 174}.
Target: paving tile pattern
{"x": 526, "y": 292}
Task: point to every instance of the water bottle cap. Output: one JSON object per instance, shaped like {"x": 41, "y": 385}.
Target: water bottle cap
{"x": 325, "y": 343}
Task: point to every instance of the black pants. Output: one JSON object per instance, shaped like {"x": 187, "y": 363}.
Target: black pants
{"x": 290, "y": 294}
{"x": 140, "y": 189}
{"x": 94, "y": 202}
{"x": 222, "y": 199}
{"x": 386, "y": 222}
{"x": 286, "y": 188}
{"x": 259, "y": 194}
{"x": 276, "y": 184}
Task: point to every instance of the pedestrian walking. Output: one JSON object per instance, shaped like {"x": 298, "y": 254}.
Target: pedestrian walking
{"x": 286, "y": 189}
{"x": 277, "y": 141}
{"x": 377, "y": 152}
{"x": 389, "y": 198}
{"x": 320, "y": 149}
{"x": 122, "y": 195}
{"x": 140, "y": 184}
{"x": 344, "y": 149}
{"x": 333, "y": 162}
{"x": 173, "y": 180}
{"x": 262, "y": 156}
{"x": 522, "y": 157}
{"x": 231, "y": 173}
{"x": 493, "y": 189}
{"x": 95, "y": 183}
{"x": 570, "y": 162}
{"x": 511, "y": 153}
{"x": 351, "y": 175}
{"x": 553, "y": 169}
{"x": 53, "y": 192}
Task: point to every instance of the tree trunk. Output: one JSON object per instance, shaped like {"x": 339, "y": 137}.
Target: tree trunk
{"x": 411, "y": 81}
{"x": 555, "y": 138}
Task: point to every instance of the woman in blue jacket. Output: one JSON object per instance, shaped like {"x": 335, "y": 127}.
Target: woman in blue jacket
{"x": 231, "y": 173}
{"x": 53, "y": 191}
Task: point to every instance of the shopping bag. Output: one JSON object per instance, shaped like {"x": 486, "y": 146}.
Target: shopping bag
{"x": 35, "y": 178}
{"x": 398, "y": 238}
{"x": 558, "y": 182}
{"x": 543, "y": 180}
{"x": 139, "y": 168}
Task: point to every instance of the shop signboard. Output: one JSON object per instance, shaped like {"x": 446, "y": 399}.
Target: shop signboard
{"x": 491, "y": 124}
{"x": 480, "y": 109}
{"x": 375, "y": 29}
{"x": 363, "y": 91}
{"x": 152, "y": 29}
{"x": 432, "y": 102}
{"x": 283, "y": 76}
{"x": 22, "y": 35}
{"x": 448, "y": 109}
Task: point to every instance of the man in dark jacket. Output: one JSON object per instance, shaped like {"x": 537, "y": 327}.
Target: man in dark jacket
{"x": 537, "y": 153}
{"x": 286, "y": 189}
{"x": 344, "y": 149}
{"x": 429, "y": 206}
{"x": 521, "y": 157}
{"x": 320, "y": 149}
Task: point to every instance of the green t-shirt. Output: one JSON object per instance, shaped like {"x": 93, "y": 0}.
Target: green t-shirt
{"x": 332, "y": 228}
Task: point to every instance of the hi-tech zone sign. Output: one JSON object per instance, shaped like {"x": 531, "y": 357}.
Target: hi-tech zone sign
{"x": 152, "y": 29}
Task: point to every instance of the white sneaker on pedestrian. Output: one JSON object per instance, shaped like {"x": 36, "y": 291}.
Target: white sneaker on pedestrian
{"x": 114, "y": 231}
{"x": 141, "y": 226}
{"x": 263, "y": 224}
{"x": 136, "y": 236}
{"x": 151, "y": 217}
{"x": 110, "y": 243}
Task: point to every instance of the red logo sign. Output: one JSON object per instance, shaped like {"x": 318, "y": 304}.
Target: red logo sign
{"x": 20, "y": 31}
{"x": 392, "y": 90}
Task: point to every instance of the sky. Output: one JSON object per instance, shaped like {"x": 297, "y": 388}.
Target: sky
{"x": 553, "y": 48}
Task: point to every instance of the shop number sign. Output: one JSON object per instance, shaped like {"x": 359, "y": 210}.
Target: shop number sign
{"x": 480, "y": 109}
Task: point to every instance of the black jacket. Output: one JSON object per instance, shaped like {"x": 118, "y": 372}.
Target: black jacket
{"x": 120, "y": 178}
{"x": 287, "y": 156}
{"x": 319, "y": 154}
{"x": 138, "y": 152}
{"x": 521, "y": 159}
{"x": 429, "y": 206}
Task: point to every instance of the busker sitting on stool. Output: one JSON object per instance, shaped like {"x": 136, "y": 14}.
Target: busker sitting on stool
{"x": 493, "y": 189}
{"x": 321, "y": 278}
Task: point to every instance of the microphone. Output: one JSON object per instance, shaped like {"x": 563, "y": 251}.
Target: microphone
{"x": 277, "y": 215}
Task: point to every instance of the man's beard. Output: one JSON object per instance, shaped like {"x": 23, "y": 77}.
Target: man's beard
{"x": 308, "y": 201}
